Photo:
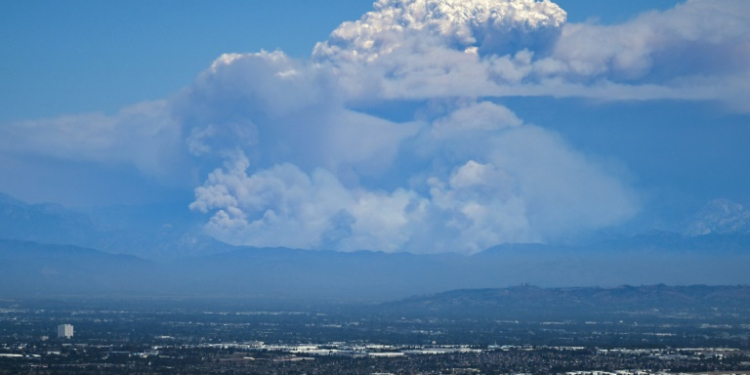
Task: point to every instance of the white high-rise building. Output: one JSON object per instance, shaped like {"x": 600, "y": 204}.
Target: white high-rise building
{"x": 65, "y": 330}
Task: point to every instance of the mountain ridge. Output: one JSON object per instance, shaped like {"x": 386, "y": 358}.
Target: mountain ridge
{"x": 625, "y": 300}
{"x": 364, "y": 275}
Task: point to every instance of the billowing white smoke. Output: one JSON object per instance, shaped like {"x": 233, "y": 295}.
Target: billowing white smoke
{"x": 492, "y": 26}
{"x": 431, "y": 48}
{"x": 307, "y": 159}
{"x": 306, "y": 171}
{"x": 312, "y": 173}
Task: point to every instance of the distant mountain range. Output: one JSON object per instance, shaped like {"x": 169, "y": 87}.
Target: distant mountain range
{"x": 47, "y": 250}
{"x": 163, "y": 232}
{"x": 527, "y": 300}
{"x": 33, "y": 269}
{"x": 29, "y": 269}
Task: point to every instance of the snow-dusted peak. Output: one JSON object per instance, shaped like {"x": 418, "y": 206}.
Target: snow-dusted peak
{"x": 720, "y": 216}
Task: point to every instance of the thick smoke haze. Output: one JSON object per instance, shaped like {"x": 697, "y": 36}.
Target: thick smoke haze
{"x": 281, "y": 152}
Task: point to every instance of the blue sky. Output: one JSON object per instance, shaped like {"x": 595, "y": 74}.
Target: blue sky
{"x": 82, "y": 55}
{"x": 74, "y": 56}
{"x": 547, "y": 125}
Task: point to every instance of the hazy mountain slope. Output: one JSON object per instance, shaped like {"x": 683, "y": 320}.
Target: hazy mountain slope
{"x": 166, "y": 231}
{"x": 44, "y": 223}
{"x": 326, "y": 274}
{"x": 371, "y": 276}
{"x": 534, "y": 302}
{"x": 163, "y": 231}
{"x": 29, "y": 269}
{"x": 193, "y": 265}
{"x": 654, "y": 259}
